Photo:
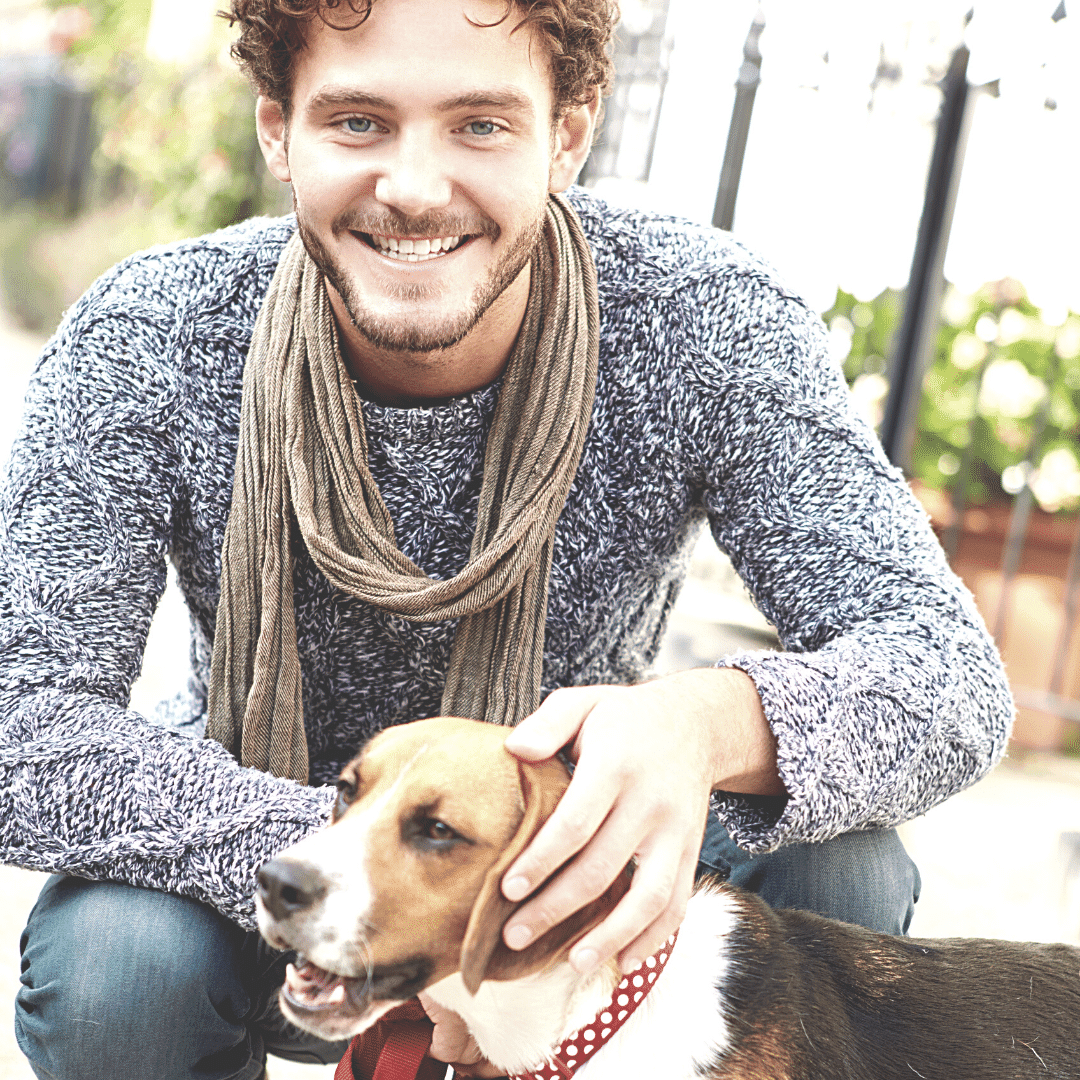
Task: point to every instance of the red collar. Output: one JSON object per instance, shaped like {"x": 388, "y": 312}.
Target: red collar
{"x": 581, "y": 1045}
{"x": 395, "y": 1048}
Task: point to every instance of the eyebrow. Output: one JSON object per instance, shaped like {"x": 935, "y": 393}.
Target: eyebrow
{"x": 502, "y": 97}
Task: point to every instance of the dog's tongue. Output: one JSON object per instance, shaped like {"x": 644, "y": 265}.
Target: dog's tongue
{"x": 312, "y": 986}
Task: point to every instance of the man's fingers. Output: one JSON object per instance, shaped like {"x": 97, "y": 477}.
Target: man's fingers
{"x": 656, "y": 933}
{"x": 580, "y": 814}
{"x": 452, "y": 1042}
{"x": 582, "y": 881}
{"x": 645, "y": 917}
{"x": 554, "y": 724}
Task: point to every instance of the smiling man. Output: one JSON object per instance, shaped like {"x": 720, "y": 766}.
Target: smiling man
{"x": 441, "y": 443}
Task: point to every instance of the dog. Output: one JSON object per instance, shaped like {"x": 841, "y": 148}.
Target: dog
{"x": 402, "y": 894}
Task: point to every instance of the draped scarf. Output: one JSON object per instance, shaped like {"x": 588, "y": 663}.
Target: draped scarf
{"x": 302, "y": 457}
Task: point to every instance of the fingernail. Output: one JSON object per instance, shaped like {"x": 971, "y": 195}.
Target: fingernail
{"x": 516, "y": 888}
{"x": 520, "y": 745}
{"x": 584, "y": 961}
{"x": 517, "y": 937}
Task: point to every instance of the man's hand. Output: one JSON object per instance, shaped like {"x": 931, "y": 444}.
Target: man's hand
{"x": 648, "y": 757}
{"x": 453, "y": 1043}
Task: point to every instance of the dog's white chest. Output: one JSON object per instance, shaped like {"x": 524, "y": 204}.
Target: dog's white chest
{"x": 677, "y": 1031}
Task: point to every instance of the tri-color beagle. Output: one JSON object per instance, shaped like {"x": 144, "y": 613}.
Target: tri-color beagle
{"x": 402, "y": 894}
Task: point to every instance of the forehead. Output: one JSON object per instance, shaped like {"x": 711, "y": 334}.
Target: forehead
{"x": 443, "y": 745}
{"x": 415, "y": 54}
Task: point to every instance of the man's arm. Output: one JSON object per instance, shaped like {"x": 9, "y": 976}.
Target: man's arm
{"x": 88, "y": 512}
{"x": 889, "y": 695}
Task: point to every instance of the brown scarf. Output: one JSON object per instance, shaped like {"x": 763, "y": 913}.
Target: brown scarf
{"x": 303, "y": 453}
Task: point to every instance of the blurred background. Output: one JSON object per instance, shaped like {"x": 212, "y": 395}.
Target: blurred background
{"x": 911, "y": 166}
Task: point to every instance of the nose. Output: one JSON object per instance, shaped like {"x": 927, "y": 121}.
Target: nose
{"x": 413, "y": 179}
{"x": 287, "y": 887}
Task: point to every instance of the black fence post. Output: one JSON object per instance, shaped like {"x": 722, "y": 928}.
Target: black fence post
{"x": 917, "y": 335}
{"x": 745, "y": 88}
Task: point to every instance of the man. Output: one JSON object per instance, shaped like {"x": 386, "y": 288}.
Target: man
{"x": 430, "y": 375}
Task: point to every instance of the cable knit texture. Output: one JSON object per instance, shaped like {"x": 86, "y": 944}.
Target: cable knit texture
{"x": 715, "y": 398}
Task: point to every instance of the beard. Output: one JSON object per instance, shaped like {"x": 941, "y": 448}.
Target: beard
{"x": 400, "y": 333}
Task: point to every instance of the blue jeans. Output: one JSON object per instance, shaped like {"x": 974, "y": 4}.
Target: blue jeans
{"x": 120, "y": 982}
{"x": 866, "y": 878}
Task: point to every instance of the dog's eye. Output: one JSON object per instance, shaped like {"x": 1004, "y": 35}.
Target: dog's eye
{"x": 346, "y": 792}
{"x": 438, "y": 830}
{"x": 430, "y": 834}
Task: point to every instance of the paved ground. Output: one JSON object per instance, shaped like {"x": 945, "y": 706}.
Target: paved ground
{"x": 999, "y": 860}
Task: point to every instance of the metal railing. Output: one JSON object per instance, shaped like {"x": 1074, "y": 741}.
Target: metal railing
{"x": 914, "y": 346}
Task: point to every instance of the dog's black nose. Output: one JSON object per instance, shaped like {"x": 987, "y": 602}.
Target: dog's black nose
{"x": 286, "y": 887}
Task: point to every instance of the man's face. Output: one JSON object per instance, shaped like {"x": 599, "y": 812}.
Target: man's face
{"x": 420, "y": 149}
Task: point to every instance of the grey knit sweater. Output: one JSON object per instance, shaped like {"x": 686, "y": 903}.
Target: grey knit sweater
{"x": 715, "y": 397}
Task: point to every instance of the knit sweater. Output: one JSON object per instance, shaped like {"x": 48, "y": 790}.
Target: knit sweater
{"x": 716, "y": 399}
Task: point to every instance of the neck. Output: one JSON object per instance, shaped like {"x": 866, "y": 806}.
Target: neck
{"x": 546, "y": 1007}
{"x": 416, "y": 379}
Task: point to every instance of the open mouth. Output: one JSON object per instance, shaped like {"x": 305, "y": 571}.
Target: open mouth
{"x": 310, "y": 988}
{"x": 312, "y": 992}
{"x": 413, "y": 248}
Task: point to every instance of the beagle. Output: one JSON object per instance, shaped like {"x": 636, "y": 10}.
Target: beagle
{"x": 402, "y": 894}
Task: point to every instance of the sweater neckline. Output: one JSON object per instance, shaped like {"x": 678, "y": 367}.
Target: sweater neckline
{"x": 467, "y": 415}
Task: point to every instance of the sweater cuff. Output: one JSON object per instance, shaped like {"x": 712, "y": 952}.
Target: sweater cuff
{"x": 761, "y": 823}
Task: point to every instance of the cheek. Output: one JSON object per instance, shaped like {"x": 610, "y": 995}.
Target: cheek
{"x": 508, "y": 188}
{"x": 325, "y": 183}
{"x": 420, "y": 904}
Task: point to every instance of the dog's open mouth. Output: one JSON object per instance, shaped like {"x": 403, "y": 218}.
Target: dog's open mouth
{"x": 311, "y": 988}
{"x": 311, "y": 991}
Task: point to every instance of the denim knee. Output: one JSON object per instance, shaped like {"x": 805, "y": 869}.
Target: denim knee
{"x": 124, "y": 982}
{"x": 866, "y": 878}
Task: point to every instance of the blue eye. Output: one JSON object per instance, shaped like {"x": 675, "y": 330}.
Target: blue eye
{"x": 359, "y": 125}
{"x": 480, "y": 127}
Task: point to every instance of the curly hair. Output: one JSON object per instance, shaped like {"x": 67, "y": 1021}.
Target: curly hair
{"x": 576, "y": 33}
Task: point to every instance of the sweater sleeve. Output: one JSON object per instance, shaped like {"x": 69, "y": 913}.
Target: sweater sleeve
{"x": 87, "y": 787}
{"x": 890, "y": 694}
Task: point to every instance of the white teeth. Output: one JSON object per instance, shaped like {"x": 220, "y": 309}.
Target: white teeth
{"x": 415, "y": 250}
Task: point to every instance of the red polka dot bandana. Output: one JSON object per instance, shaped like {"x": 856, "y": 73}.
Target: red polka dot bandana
{"x": 578, "y": 1047}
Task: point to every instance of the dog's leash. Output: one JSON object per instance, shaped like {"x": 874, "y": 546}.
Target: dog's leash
{"x": 395, "y": 1047}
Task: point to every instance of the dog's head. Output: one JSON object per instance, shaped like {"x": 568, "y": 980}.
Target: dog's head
{"x": 403, "y": 889}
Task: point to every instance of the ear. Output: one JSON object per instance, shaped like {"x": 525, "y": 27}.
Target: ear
{"x": 483, "y": 952}
{"x": 273, "y": 132}
{"x": 541, "y": 788}
{"x": 573, "y": 141}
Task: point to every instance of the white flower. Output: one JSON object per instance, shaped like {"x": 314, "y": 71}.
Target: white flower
{"x": 1056, "y": 482}
{"x": 1010, "y": 390}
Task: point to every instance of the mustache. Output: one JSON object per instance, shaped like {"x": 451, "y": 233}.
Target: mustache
{"x": 432, "y": 223}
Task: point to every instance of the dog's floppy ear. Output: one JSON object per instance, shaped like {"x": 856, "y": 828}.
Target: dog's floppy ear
{"x": 541, "y": 788}
{"x": 483, "y": 953}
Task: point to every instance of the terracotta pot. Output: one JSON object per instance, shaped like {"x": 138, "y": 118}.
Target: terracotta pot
{"x": 1035, "y": 616}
